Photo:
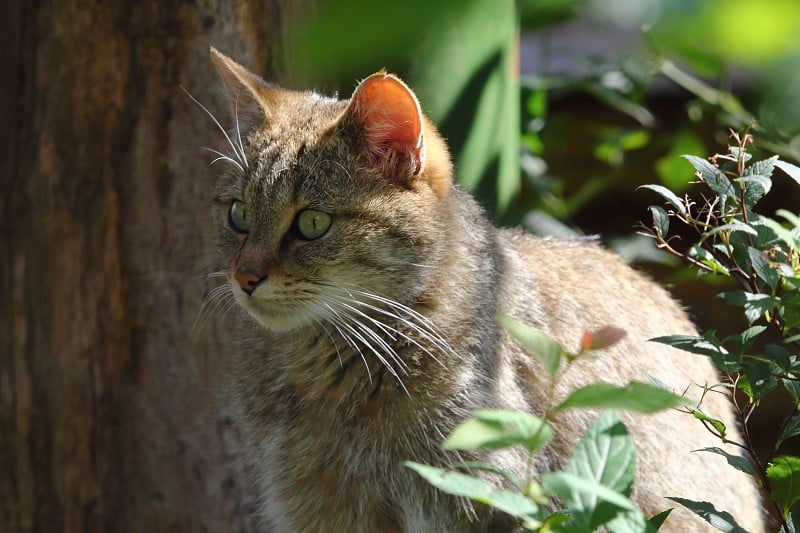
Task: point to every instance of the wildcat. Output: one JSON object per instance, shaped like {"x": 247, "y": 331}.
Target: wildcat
{"x": 372, "y": 284}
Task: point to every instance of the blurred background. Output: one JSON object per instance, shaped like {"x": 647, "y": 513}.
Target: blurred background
{"x": 113, "y": 408}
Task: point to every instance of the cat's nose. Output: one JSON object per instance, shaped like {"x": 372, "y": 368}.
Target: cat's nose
{"x": 247, "y": 280}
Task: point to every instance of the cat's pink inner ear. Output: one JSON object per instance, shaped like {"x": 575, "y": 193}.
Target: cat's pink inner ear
{"x": 391, "y": 117}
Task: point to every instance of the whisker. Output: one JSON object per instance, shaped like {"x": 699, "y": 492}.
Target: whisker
{"x": 225, "y": 133}
{"x": 223, "y": 157}
{"x": 238, "y": 131}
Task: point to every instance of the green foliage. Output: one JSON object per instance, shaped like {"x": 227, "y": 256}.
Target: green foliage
{"x": 760, "y": 255}
{"x": 595, "y": 485}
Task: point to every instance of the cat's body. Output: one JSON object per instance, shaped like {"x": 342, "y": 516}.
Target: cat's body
{"x": 374, "y": 286}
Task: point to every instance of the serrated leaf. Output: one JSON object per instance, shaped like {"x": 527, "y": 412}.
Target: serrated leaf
{"x": 713, "y": 177}
{"x": 493, "y": 429}
{"x": 755, "y": 187}
{"x": 719, "y": 519}
{"x": 635, "y": 396}
{"x": 764, "y": 167}
{"x": 763, "y": 269}
{"x": 755, "y": 305}
{"x": 736, "y": 461}
{"x": 543, "y": 347}
{"x": 791, "y": 170}
{"x": 784, "y": 474}
{"x": 669, "y": 196}
{"x": 791, "y": 428}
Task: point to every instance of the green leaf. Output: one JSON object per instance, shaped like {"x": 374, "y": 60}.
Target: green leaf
{"x": 658, "y": 520}
{"x": 459, "y": 484}
{"x": 732, "y": 228}
{"x": 605, "y": 453}
{"x": 763, "y": 269}
{"x": 541, "y": 346}
{"x": 687, "y": 343}
{"x": 784, "y": 474}
{"x": 660, "y": 220}
{"x": 721, "y": 520}
{"x": 493, "y": 429}
{"x": 713, "y": 177}
{"x": 765, "y": 167}
{"x": 744, "y": 339}
{"x": 793, "y": 388}
{"x": 635, "y": 396}
{"x": 755, "y": 305}
{"x": 718, "y": 425}
{"x": 755, "y": 187}
{"x": 736, "y": 461}
{"x": 791, "y": 428}
{"x": 707, "y": 258}
{"x": 792, "y": 170}
{"x": 669, "y": 196}
{"x": 758, "y": 380}
{"x": 512, "y": 503}
{"x": 451, "y": 482}
{"x": 573, "y": 489}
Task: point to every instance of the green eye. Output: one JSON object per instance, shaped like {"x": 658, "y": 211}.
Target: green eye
{"x": 238, "y": 216}
{"x": 313, "y": 224}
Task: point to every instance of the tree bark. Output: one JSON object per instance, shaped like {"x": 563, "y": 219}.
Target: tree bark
{"x": 112, "y": 416}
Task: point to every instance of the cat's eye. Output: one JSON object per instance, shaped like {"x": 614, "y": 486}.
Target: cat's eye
{"x": 312, "y": 224}
{"x": 239, "y": 217}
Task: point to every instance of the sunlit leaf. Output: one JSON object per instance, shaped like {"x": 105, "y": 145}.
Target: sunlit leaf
{"x": 669, "y": 196}
{"x": 784, "y": 474}
{"x": 635, "y": 396}
{"x": 792, "y": 170}
{"x": 605, "y": 453}
{"x": 492, "y": 429}
{"x": 541, "y": 346}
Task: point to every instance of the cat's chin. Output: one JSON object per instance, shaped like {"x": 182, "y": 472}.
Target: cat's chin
{"x": 275, "y": 320}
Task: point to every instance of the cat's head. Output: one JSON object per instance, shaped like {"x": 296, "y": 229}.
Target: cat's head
{"x": 331, "y": 206}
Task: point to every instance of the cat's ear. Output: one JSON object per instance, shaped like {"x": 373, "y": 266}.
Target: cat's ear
{"x": 390, "y": 119}
{"x": 251, "y": 98}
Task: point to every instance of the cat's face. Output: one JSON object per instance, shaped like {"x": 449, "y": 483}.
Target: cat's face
{"x": 333, "y": 207}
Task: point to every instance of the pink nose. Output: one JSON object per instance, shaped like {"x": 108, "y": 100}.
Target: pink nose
{"x": 247, "y": 280}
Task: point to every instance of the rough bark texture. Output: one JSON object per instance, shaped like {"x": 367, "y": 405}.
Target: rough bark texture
{"x": 112, "y": 417}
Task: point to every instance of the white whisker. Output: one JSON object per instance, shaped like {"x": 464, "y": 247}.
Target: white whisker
{"x": 242, "y": 162}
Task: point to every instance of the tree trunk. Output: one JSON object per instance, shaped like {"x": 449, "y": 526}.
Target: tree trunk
{"x": 112, "y": 416}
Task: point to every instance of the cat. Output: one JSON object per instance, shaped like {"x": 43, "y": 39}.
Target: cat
{"x": 370, "y": 286}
